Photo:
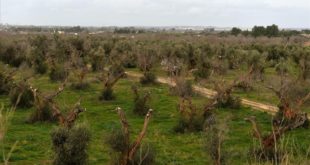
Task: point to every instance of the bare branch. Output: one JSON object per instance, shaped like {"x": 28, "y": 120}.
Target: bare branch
{"x": 256, "y": 131}
{"x": 141, "y": 135}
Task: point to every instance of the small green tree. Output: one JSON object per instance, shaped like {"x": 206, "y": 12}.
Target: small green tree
{"x": 272, "y": 31}
{"x": 258, "y": 31}
{"x": 70, "y": 141}
{"x": 235, "y": 31}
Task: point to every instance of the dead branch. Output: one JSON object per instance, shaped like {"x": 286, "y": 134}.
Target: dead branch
{"x": 267, "y": 142}
{"x": 256, "y": 131}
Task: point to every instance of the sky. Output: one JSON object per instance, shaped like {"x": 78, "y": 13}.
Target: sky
{"x": 221, "y": 13}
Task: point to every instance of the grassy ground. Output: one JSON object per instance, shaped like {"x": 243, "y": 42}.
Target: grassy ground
{"x": 259, "y": 93}
{"x": 34, "y": 145}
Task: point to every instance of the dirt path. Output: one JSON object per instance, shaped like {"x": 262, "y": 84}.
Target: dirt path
{"x": 210, "y": 93}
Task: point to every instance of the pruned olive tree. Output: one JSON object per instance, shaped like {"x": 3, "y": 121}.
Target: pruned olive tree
{"x": 147, "y": 55}
{"x": 130, "y": 153}
{"x": 115, "y": 73}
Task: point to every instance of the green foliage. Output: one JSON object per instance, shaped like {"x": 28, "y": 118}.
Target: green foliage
{"x": 25, "y": 95}
{"x": 272, "y": 31}
{"x": 257, "y": 62}
{"x": 235, "y": 31}
{"x": 107, "y": 94}
{"x": 203, "y": 71}
{"x": 58, "y": 73}
{"x": 13, "y": 54}
{"x": 229, "y": 102}
{"x": 146, "y": 155}
{"x": 302, "y": 58}
{"x": 116, "y": 140}
{"x": 98, "y": 59}
{"x": 258, "y": 31}
{"x": 42, "y": 113}
{"x": 141, "y": 102}
{"x": 183, "y": 88}
{"x": 275, "y": 53}
{"x": 148, "y": 78}
{"x": 80, "y": 85}
{"x": 38, "y": 53}
{"x": 70, "y": 145}
{"x": 5, "y": 83}
{"x": 190, "y": 124}
{"x": 215, "y": 136}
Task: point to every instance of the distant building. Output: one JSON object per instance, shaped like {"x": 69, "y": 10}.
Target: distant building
{"x": 60, "y": 32}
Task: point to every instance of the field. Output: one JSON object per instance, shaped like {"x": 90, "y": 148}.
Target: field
{"x": 34, "y": 144}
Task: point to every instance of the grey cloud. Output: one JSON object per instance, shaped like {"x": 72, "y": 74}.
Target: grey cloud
{"x": 244, "y": 13}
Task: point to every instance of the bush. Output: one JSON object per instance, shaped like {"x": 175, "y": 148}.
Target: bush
{"x": 5, "y": 84}
{"x": 148, "y": 78}
{"x": 141, "y": 103}
{"x": 80, "y": 86}
{"x": 70, "y": 145}
{"x": 185, "y": 124}
{"x": 245, "y": 86}
{"x": 144, "y": 156}
{"x": 58, "y": 73}
{"x": 26, "y": 96}
{"x": 229, "y": 102}
{"x": 42, "y": 113}
{"x": 107, "y": 94}
{"x": 190, "y": 120}
{"x": 40, "y": 68}
{"x": 12, "y": 55}
{"x": 215, "y": 136}
{"x": 183, "y": 88}
{"x": 116, "y": 140}
{"x": 203, "y": 71}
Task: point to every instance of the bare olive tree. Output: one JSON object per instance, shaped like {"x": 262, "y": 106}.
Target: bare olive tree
{"x": 128, "y": 149}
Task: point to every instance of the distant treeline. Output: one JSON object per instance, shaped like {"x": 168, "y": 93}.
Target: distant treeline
{"x": 269, "y": 31}
{"x": 256, "y": 31}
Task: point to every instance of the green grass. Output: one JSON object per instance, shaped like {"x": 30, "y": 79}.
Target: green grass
{"x": 34, "y": 145}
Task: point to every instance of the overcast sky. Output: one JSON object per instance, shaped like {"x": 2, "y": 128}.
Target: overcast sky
{"x": 224, "y": 13}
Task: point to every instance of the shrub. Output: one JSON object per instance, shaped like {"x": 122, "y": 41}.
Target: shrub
{"x": 183, "y": 88}
{"x": 245, "y": 86}
{"x": 229, "y": 102}
{"x": 58, "y": 73}
{"x": 126, "y": 151}
{"x": 107, "y": 94}
{"x": 203, "y": 71}
{"x": 141, "y": 103}
{"x": 148, "y": 78}
{"x": 190, "y": 119}
{"x": 42, "y": 113}
{"x": 215, "y": 136}
{"x": 40, "y": 68}
{"x": 12, "y": 55}
{"x": 23, "y": 91}
{"x": 195, "y": 124}
{"x": 117, "y": 141}
{"x": 145, "y": 156}
{"x": 80, "y": 86}
{"x": 5, "y": 83}
{"x": 70, "y": 145}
